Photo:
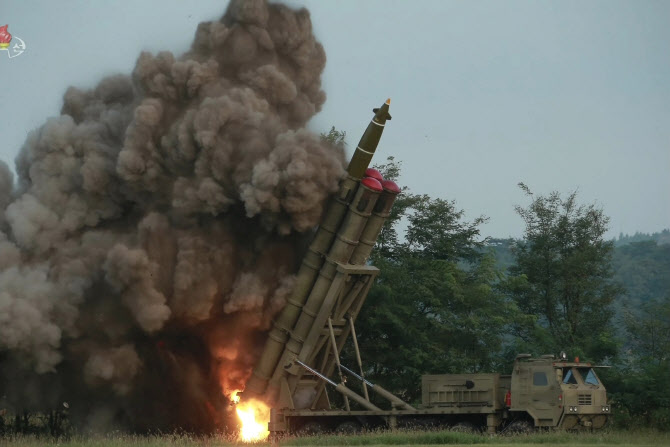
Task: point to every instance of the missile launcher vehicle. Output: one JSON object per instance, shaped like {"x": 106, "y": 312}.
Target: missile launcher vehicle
{"x": 302, "y": 352}
{"x": 540, "y": 392}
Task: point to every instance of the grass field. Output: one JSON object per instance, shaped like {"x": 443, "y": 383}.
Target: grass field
{"x": 414, "y": 438}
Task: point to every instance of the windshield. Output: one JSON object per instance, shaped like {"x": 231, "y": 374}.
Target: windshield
{"x": 589, "y": 376}
{"x": 568, "y": 377}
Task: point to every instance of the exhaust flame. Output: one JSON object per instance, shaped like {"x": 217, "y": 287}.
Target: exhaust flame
{"x": 234, "y": 398}
{"x": 254, "y": 417}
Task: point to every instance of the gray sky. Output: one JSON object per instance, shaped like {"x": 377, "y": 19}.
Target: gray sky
{"x": 561, "y": 95}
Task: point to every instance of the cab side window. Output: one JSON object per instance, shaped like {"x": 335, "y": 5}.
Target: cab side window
{"x": 540, "y": 379}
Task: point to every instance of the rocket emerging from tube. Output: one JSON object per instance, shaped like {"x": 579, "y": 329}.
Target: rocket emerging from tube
{"x": 316, "y": 254}
{"x": 369, "y": 141}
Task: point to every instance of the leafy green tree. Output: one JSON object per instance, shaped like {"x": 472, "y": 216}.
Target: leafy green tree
{"x": 562, "y": 274}
{"x": 649, "y": 331}
{"x": 335, "y": 137}
{"x": 640, "y": 384}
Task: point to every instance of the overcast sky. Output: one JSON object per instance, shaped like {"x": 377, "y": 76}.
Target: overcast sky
{"x": 561, "y": 95}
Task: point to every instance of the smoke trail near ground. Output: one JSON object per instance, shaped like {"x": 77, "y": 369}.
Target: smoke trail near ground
{"x": 155, "y": 225}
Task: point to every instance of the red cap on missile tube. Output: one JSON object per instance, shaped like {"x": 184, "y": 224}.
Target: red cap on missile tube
{"x": 375, "y": 174}
{"x": 372, "y": 184}
{"x": 390, "y": 186}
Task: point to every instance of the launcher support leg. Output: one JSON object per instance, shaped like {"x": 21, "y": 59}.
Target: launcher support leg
{"x": 336, "y": 356}
{"x": 358, "y": 356}
{"x": 393, "y": 422}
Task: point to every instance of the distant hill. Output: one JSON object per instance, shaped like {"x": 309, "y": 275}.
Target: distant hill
{"x": 502, "y": 249}
{"x": 660, "y": 238}
{"x": 644, "y": 270}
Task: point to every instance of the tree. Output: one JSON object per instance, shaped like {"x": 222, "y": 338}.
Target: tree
{"x": 642, "y": 268}
{"x": 335, "y": 137}
{"x": 640, "y": 384}
{"x": 562, "y": 274}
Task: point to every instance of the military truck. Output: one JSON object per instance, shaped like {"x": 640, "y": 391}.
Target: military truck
{"x": 540, "y": 392}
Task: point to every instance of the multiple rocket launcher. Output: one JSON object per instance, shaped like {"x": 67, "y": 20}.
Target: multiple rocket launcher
{"x": 345, "y": 237}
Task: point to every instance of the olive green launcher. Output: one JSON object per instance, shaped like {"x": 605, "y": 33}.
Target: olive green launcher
{"x": 317, "y": 252}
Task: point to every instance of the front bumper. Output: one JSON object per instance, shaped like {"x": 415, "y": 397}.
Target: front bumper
{"x": 585, "y": 416}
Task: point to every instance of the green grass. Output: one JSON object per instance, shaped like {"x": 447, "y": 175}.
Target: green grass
{"x": 414, "y": 438}
{"x": 119, "y": 440}
{"x": 638, "y": 438}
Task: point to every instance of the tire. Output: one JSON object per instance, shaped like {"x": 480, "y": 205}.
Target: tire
{"x": 598, "y": 421}
{"x": 348, "y": 428}
{"x": 311, "y": 428}
{"x": 519, "y": 428}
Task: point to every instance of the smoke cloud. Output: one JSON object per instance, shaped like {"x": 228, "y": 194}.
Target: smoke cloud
{"x": 154, "y": 227}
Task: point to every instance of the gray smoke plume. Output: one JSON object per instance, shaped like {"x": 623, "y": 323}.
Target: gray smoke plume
{"x": 154, "y": 227}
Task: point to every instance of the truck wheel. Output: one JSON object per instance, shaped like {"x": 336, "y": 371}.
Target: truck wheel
{"x": 465, "y": 427}
{"x": 519, "y": 427}
{"x": 311, "y": 428}
{"x": 348, "y": 428}
{"x": 598, "y": 421}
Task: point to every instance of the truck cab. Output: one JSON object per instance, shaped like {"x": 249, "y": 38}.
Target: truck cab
{"x": 557, "y": 393}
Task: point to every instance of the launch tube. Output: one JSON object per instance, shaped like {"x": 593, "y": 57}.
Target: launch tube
{"x": 340, "y": 252}
{"x": 309, "y": 269}
{"x": 314, "y": 258}
{"x": 375, "y": 223}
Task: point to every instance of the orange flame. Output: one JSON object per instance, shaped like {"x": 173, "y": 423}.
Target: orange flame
{"x": 234, "y": 398}
{"x": 254, "y": 416}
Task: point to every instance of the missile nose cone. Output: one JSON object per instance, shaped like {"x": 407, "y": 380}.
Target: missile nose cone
{"x": 382, "y": 113}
